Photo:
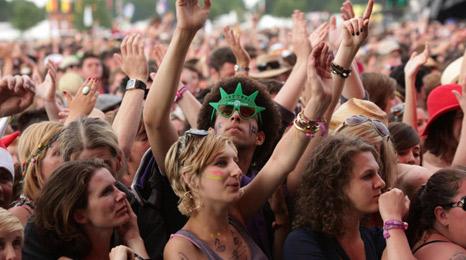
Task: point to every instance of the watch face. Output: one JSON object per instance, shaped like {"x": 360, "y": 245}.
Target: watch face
{"x": 131, "y": 84}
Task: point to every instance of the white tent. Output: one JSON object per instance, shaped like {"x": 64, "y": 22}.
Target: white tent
{"x": 7, "y": 32}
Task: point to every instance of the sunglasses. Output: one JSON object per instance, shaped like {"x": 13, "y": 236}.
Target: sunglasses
{"x": 459, "y": 204}
{"x": 268, "y": 65}
{"x": 379, "y": 126}
{"x": 245, "y": 112}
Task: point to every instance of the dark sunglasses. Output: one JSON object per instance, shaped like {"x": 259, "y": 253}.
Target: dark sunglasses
{"x": 245, "y": 112}
{"x": 459, "y": 204}
{"x": 269, "y": 65}
{"x": 379, "y": 126}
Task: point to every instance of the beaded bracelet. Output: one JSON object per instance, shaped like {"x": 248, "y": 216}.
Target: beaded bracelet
{"x": 179, "y": 93}
{"x": 393, "y": 224}
{"x": 339, "y": 70}
{"x": 309, "y": 127}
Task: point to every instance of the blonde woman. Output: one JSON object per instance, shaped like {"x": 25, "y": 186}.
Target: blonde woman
{"x": 39, "y": 154}
{"x": 11, "y": 236}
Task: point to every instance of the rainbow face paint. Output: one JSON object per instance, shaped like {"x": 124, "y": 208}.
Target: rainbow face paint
{"x": 216, "y": 175}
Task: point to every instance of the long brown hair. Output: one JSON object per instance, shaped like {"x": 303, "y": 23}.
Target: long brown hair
{"x": 64, "y": 193}
{"x": 321, "y": 199}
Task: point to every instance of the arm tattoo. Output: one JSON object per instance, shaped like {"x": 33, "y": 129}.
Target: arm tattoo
{"x": 183, "y": 256}
{"x": 458, "y": 256}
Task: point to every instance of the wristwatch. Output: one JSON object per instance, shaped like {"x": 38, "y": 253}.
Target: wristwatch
{"x": 238, "y": 68}
{"x": 135, "y": 84}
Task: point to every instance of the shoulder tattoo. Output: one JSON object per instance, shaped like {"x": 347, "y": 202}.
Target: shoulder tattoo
{"x": 458, "y": 256}
{"x": 182, "y": 256}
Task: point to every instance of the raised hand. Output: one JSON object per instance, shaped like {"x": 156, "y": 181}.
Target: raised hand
{"x": 190, "y": 15}
{"x": 416, "y": 61}
{"x": 319, "y": 35}
{"x": 334, "y": 33}
{"x": 319, "y": 78}
{"x": 299, "y": 35}
{"x": 16, "y": 94}
{"x": 83, "y": 102}
{"x": 346, "y": 10}
{"x": 356, "y": 29}
{"x": 47, "y": 89}
{"x": 132, "y": 59}
{"x": 233, "y": 38}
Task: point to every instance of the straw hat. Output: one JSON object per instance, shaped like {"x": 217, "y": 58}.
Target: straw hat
{"x": 451, "y": 72}
{"x": 274, "y": 65}
{"x": 356, "y": 106}
{"x": 70, "y": 82}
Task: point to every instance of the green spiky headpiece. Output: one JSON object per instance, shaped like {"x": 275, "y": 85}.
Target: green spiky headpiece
{"x": 237, "y": 99}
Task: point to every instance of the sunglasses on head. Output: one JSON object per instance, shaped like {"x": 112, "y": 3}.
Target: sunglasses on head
{"x": 268, "y": 65}
{"x": 459, "y": 204}
{"x": 379, "y": 126}
{"x": 245, "y": 112}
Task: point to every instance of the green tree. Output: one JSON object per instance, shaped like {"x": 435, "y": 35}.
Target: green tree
{"x": 5, "y": 10}
{"x": 25, "y": 14}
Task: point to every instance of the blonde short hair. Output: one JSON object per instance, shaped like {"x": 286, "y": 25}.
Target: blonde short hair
{"x": 32, "y": 147}
{"x": 189, "y": 156}
{"x": 9, "y": 223}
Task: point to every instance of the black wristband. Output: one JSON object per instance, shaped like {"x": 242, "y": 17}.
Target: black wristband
{"x": 340, "y": 71}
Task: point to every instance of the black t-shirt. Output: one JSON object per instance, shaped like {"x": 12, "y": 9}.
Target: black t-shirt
{"x": 305, "y": 244}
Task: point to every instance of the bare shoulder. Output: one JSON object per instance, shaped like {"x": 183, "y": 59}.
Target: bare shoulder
{"x": 22, "y": 213}
{"x": 179, "y": 248}
{"x": 448, "y": 251}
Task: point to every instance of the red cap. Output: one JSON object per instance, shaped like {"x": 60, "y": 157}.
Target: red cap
{"x": 440, "y": 101}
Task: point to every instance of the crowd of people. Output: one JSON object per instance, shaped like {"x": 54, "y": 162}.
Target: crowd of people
{"x": 332, "y": 139}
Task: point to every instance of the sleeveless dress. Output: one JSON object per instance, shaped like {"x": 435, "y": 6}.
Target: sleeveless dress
{"x": 256, "y": 252}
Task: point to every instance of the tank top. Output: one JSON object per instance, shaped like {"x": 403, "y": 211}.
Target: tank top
{"x": 256, "y": 252}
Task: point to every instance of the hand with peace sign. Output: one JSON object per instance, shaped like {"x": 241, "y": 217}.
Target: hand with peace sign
{"x": 356, "y": 29}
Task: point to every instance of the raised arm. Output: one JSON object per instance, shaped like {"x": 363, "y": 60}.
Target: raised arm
{"x": 134, "y": 65}
{"x": 191, "y": 17}
{"x": 354, "y": 33}
{"x": 411, "y": 69}
{"x": 291, "y": 146}
{"x": 233, "y": 38}
{"x": 47, "y": 91}
{"x": 353, "y": 86}
{"x": 288, "y": 95}
{"x": 460, "y": 154}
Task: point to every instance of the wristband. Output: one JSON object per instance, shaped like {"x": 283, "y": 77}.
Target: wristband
{"x": 393, "y": 224}
{"x": 180, "y": 93}
{"x": 238, "y": 68}
{"x": 309, "y": 127}
{"x": 339, "y": 70}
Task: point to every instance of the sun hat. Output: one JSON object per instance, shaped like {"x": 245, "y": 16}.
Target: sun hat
{"x": 70, "y": 82}
{"x": 440, "y": 101}
{"x": 356, "y": 106}
{"x": 269, "y": 66}
{"x": 451, "y": 72}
